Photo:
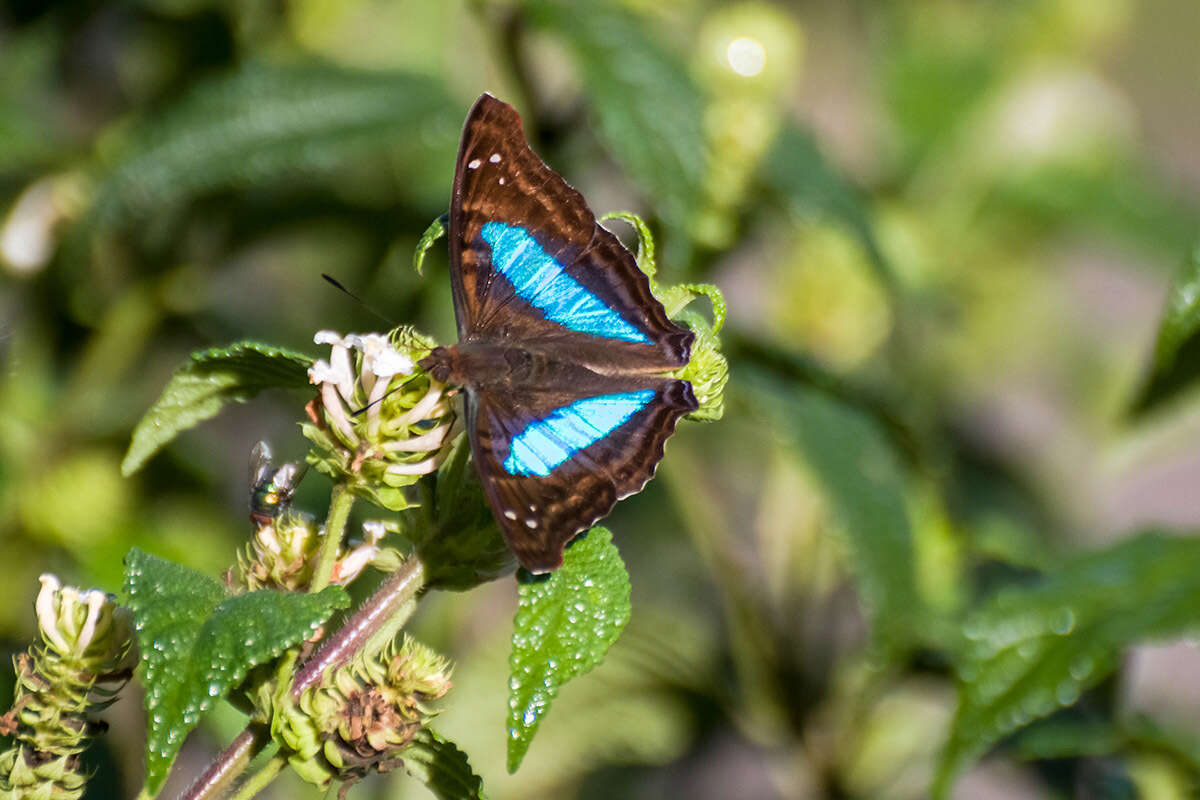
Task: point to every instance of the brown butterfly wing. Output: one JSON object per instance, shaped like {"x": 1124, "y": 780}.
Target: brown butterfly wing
{"x": 500, "y": 179}
{"x": 539, "y": 515}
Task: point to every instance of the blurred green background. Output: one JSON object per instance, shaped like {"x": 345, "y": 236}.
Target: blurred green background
{"x": 945, "y": 229}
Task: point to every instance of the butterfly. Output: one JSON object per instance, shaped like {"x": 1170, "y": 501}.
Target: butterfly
{"x": 561, "y": 345}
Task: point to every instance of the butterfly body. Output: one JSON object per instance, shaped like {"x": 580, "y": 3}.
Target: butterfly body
{"x": 561, "y": 346}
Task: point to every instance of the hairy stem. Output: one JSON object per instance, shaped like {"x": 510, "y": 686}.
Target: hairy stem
{"x": 234, "y": 759}
{"x": 340, "y": 503}
{"x": 383, "y": 613}
{"x": 259, "y": 780}
{"x": 231, "y": 763}
{"x": 390, "y": 606}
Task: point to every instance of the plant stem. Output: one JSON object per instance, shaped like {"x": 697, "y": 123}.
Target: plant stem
{"x": 259, "y": 780}
{"x": 340, "y": 503}
{"x": 232, "y": 762}
{"x": 385, "y": 611}
{"x": 390, "y": 606}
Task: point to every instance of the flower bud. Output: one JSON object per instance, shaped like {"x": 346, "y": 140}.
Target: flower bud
{"x": 363, "y": 714}
{"x": 283, "y": 554}
{"x": 86, "y": 630}
{"x": 86, "y": 655}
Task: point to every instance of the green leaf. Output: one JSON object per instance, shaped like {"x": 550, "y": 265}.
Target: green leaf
{"x": 648, "y": 112}
{"x": 1176, "y": 364}
{"x": 565, "y": 624}
{"x": 435, "y": 231}
{"x": 197, "y": 643}
{"x": 852, "y": 461}
{"x": 269, "y": 123}
{"x": 806, "y": 183}
{"x": 457, "y": 537}
{"x": 440, "y": 765}
{"x": 207, "y": 383}
{"x": 1032, "y": 650}
{"x": 1055, "y": 739}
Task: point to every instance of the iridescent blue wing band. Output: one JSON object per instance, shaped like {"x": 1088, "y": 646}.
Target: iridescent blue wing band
{"x": 547, "y": 443}
{"x": 543, "y": 283}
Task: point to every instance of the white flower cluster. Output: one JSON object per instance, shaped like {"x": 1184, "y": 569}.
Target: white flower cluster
{"x": 355, "y": 384}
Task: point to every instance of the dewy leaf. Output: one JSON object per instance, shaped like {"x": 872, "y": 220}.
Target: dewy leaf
{"x": 850, "y": 458}
{"x": 207, "y": 383}
{"x": 565, "y": 624}
{"x": 270, "y": 122}
{"x": 197, "y": 643}
{"x": 1177, "y": 352}
{"x": 648, "y": 111}
{"x": 1032, "y": 650}
{"x": 799, "y": 174}
{"x": 441, "y": 766}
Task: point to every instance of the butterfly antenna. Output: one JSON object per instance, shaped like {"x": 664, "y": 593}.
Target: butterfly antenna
{"x": 356, "y": 412}
{"x": 338, "y": 285}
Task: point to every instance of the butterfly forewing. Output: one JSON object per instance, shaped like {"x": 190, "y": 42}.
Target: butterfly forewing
{"x": 523, "y": 238}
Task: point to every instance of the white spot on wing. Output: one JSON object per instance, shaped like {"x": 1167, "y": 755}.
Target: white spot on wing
{"x": 531, "y": 523}
{"x": 501, "y": 180}
{"x": 510, "y": 514}
{"x": 474, "y": 163}
{"x": 495, "y": 159}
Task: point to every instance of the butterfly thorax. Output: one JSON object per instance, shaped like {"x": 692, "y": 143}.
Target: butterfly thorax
{"x": 477, "y": 364}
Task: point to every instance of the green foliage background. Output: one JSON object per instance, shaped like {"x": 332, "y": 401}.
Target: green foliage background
{"x": 945, "y": 528}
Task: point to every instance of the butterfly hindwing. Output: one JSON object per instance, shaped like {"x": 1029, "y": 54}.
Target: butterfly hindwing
{"x": 554, "y": 463}
{"x": 532, "y": 264}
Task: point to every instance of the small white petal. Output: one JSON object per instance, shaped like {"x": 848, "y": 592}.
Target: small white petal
{"x": 421, "y": 410}
{"x": 433, "y": 439}
{"x": 371, "y": 343}
{"x": 380, "y": 358}
{"x": 95, "y": 603}
{"x": 322, "y": 372}
{"x": 349, "y": 567}
{"x": 268, "y": 540}
{"x": 374, "y": 530}
{"x": 344, "y": 368}
{"x": 47, "y": 614}
{"x": 423, "y": 467}
{"x": 336, "y": 413}
{"x": 68, "y": 602}
{"x": 390, "y": 362}
{"x": 329, "y": 337}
